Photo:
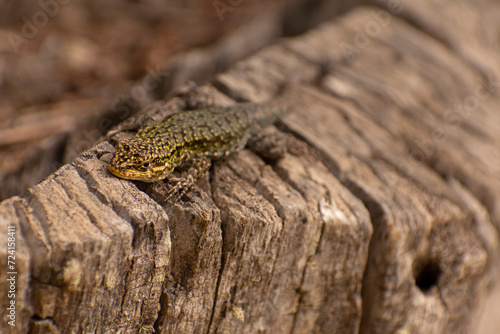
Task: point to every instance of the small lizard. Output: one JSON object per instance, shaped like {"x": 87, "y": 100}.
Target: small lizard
{"x": 190, "y": 140}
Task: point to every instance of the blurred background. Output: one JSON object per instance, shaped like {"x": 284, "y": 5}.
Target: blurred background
{"x": 71, "y": 69}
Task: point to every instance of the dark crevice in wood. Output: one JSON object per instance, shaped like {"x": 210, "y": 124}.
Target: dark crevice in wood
{"x": 126, "y": 291}
{"x": 223, "y": 256}
{"x": 217, "y": 289}
{"x": 377, "y": 218}
{"x": 36, "y": 324}
{"x": 427, "y": 275}
{"x": 162, "y": 312}
{"x": 37, "y": 318}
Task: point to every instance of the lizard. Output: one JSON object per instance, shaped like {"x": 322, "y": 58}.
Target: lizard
{"x": 190, "y": 140}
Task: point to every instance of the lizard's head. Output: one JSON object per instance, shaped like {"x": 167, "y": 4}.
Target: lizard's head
{"x": 136, "y": 159}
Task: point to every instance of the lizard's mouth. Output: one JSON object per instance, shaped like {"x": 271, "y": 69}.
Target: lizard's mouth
{"x": 142, "y": 173}
{"x": 120, "y": 172}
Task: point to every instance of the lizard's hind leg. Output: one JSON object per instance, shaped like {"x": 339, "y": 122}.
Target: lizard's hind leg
{"x": 269, "y": 143}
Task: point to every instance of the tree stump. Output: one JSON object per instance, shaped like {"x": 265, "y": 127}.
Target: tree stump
{"x": 379, "y": 218}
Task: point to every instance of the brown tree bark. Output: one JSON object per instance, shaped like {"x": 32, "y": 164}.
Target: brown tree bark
{"x": 380, "y": 218}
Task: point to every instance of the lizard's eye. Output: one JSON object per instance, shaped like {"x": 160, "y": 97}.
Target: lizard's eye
{"x": 146, "y": 165}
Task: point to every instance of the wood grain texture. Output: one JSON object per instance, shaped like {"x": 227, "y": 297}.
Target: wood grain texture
{"x": 380, "y": 218}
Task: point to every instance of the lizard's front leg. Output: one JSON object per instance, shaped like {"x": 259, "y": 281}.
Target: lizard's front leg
{"x": 198, "y": 166}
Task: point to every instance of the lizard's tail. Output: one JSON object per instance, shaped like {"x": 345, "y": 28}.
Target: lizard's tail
{"x": 271, "y": 111}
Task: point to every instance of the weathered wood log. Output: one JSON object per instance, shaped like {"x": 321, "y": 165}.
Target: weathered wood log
{"x": 376, "y": 220}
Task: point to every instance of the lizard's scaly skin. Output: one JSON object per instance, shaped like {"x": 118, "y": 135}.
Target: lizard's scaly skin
{"x": 188, "y": 140}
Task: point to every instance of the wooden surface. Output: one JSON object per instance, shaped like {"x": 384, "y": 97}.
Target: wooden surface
{"x": 381, "y": 218}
